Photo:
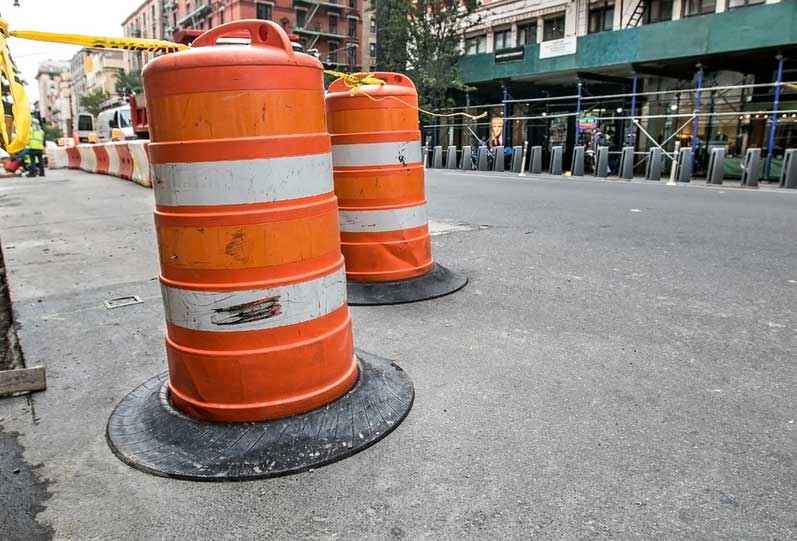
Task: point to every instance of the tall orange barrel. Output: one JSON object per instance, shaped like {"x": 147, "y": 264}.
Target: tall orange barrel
{"x": 379, "y": 181}
{"x": 251, "y": 269}
{"x": 252, "y": 276}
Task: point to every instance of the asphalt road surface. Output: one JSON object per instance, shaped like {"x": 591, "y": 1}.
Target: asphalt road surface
{"x": 622, "y": 364}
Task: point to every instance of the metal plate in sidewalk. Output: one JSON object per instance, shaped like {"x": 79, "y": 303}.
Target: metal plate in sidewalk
{"x": 118, "y": 302}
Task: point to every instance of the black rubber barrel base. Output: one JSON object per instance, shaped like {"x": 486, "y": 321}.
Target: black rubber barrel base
{"x": 437, "y": 283}
{"x": 148, "y": 433}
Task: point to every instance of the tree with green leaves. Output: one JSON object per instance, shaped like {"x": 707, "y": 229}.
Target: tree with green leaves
{"x": 422, "y": 38}
{"x": 93, "y": 102}
{"x": 128, "y": 82}
{"x": 393, "y": 34}
{"x": 52, "y": 131}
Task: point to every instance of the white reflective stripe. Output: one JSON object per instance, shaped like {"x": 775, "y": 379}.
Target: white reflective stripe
{"x": 59, "y": 157}
{"x": 140, "y": 162}
{"x": 253, "y": 310}
{"x": 402, "y": 153}
{"x": 88, "y": 159}
{"x": 373, "y": 221}
{"x": 238, "y": 182}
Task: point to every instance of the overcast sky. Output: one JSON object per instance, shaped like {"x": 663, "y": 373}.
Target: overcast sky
{"x": 92, "y": 17}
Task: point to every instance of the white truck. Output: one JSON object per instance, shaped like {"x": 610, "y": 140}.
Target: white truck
{"x": 115, "y": 125}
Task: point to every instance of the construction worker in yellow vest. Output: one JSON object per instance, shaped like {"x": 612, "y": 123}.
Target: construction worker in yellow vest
{"x": 36, "y": 150}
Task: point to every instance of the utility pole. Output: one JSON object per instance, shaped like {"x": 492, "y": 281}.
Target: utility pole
{"x": 579, "y": 89}
{"x": 506, "y": 115}
{"x": 633, "y": 110}
{"x": 774, "y": 123}
{"x": 696, "y": 121}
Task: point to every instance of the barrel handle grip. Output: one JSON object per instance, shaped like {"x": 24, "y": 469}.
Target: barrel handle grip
{"x": 262, "y": 34}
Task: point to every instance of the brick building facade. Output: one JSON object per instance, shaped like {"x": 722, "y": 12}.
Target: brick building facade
{"x": 333, "y": 27}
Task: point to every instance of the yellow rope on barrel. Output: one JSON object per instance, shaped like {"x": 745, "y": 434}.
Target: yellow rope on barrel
{"x": 355, "y": 82}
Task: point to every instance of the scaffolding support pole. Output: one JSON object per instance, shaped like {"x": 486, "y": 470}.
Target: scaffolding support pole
{"x": 506, "y": 115}
{"x": 774, "y": 123}
{"x": 632, "y": 125}
{"x": 696, "y": 121}
{"x": 578, "y": 111}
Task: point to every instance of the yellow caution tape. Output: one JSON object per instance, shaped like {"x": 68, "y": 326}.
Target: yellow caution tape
{"x": 100, "y": 42}
{"x": 20, "y": 107}
{"x": 356, "y": 81}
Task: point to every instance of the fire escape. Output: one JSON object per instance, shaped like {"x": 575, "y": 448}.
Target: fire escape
{"x": 199, "y": 12}
{"x": 637, "y": 14}
{"x": 169, "y": 7}
{"x": 313, "y": 30}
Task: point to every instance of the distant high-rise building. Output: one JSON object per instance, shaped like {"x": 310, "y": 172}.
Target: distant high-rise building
{"x": 92, "y": 70}
{"x": 54, "y": 80}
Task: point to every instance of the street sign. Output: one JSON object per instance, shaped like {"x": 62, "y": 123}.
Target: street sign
{"x": 587, "y": 123}
{"x": 515, "y": 54}
{"x": 558, "y": 47}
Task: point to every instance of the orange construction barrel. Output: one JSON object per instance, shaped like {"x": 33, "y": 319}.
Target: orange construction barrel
{"x": 252, "y": 276}
{"x": 379, "y": 181}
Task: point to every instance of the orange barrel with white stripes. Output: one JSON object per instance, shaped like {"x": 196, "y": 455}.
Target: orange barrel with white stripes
{"x": 263, "y": 379}
{"x": 252, "y": 274}
{"x": 379, "y": 181}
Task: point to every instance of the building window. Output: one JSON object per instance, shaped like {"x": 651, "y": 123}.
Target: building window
{"x": 373, "y": 25}
{"x": 300, "y": 18}
{"x": 553, "y": 28}
{"x": 601, "y": 17}
{"x": 353, "y": 28}
{"x": 221, "y": 17}
{"x": 263, "y": 11}
{"x": 527, "y": 33}
{"x": 352, "y": 51}
{"x": 333, "y": 24}
{"x": 476, "y": 44}
{"x": 657, "y": 11}
{"x": 501, "y": 39}
{"x": 743, "y": 3}
{"x": 699, "y": 7}
{"x": 353, "y": 4}
{"x": 372, "y": 50}
{"x": 332, "y": 55}
{"x": 210, "y": 21}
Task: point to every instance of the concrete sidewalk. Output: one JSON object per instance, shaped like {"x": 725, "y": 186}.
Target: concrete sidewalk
{"x": 621, "y": 365}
